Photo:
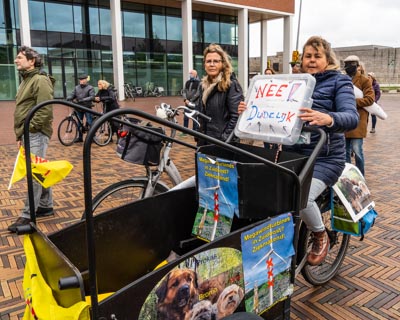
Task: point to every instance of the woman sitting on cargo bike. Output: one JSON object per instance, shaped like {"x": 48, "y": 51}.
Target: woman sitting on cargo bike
{"x": 334, "y": 111}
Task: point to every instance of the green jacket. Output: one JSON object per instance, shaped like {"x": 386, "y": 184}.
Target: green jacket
{"x": 34, "y": 89}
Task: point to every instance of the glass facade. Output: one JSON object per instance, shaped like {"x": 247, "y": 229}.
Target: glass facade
{"x": 75, "y": 38}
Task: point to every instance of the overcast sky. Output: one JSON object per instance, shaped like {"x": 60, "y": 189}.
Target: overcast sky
{"x": 342, "y": 22}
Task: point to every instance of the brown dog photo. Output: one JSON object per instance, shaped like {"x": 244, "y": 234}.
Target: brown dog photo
{"x": 177, "y": 294}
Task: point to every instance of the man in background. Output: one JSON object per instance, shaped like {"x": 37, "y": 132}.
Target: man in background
{"x": 36, "y": 87}
{"x": 190, "y": 94}
{"x": 83, "y": 94}
{"x": 354, "y": 138}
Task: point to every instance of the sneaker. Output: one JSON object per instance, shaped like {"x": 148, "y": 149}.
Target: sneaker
{"x": 320, "y": 247}
{"x": 44, "y": 212}
{"x": 372, "y": 130}
{"x": 21, "y": 221}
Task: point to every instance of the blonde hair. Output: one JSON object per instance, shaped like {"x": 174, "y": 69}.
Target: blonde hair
{"x": 227, "y": 69}
{"x": 320, "y": 44}
{"x": 104, "y": 83}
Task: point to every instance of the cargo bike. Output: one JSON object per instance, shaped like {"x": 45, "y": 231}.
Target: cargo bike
{"x": 145, "y": 260}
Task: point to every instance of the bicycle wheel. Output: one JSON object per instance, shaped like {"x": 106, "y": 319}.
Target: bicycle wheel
{"x": 339, "y": 242}
{"x": 67, "y": 131}
{"x": 121, "y": 193}
{"x": 103, "y": 135}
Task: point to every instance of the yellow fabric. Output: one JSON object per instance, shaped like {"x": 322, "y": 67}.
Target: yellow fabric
{"x": 47, "y": 173}
{"x": 161, "y": 264}
{"x": 100, "y": 297}
{"x": 38, "y": 295}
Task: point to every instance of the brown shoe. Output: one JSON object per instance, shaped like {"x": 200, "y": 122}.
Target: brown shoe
{"x": 319, "y": 248}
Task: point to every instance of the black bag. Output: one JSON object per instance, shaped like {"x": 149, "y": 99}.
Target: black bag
{"x": 138, "y": 146}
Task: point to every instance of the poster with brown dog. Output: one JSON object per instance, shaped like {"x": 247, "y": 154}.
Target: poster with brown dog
{"x": 206, "y": 286}
{"x": 353, "y": 192}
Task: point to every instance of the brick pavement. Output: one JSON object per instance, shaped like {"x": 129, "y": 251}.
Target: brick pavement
{"x": 367, "y": 286}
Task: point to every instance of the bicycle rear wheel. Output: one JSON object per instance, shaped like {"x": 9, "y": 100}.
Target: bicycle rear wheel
{"x": 339, "y": 242}
{"x": 67, "y": 131}
{"x": 103, "y": 135}
{"x": 121, "y": 193}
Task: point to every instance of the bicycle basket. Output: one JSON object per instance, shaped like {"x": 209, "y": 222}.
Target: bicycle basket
{"x": 138, "y": 146}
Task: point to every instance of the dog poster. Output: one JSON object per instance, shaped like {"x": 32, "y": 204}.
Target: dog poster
{"x": 207, "y": 286}
{"x": 267, "y": 251}
{"x": 353, "y": 192}
{"x": 218, "y": 197}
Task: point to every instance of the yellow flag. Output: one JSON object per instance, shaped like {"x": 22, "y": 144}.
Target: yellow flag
{"x": 39, "y": 298}
{"x": 47, "y": 173}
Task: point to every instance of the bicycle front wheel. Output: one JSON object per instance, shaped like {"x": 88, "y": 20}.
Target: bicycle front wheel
{"x": 123, "y": 192}
{"x": 67, "y": 131}
{"x": 103, "y": 135}
{"x": 339, "y": 242}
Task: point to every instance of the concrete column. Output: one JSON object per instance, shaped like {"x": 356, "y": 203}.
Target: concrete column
{"x": 287, "y": 43}
{"x": 264, "y": 46}
{"x": 24, "y": 25}
{"x": 243, "y": 48}
{"x": 118, "y": 60}
{"x": 187, "y": 38}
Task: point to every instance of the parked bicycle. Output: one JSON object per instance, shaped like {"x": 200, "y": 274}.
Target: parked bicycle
{"x": 151, "y": 90}
{"x": 68, "y": 130}
{"x": 136, "y": 188}
{"x": 130, "y": 92}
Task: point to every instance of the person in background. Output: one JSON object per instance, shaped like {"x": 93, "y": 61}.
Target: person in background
{"x": 377, "y": 91}
{"x": 354, "y": 138}
{"x": 190, "y": 94}
{"x": 334, "y": 111}
{"x": 220, "y": 94}
{"x": 83, "y": 94}
{"x": 269, "y": 71}
{"x": 107, "y": 96}
{"x": 36, "y": 87}
{"x": 296, "y": 67}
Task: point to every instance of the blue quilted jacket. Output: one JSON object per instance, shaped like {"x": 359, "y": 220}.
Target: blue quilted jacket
{"x": 333, "y": 94}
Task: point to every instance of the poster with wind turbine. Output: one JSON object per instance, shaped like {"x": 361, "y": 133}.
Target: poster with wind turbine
{"x": 218, "y": 197}
{"x": 267, "y": 252}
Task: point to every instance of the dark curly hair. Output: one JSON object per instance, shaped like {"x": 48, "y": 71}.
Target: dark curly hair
{"x": 31, "y": 54}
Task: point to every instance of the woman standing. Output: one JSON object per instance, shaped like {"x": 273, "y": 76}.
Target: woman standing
{"x": 107, "y": 96}
{"x": 377, "y": 90}
{"x": 334, "y": 111}
{"x": 220, "y": 94}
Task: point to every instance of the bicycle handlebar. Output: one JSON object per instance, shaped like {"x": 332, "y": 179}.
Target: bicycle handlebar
{"x": 165, "y": 111}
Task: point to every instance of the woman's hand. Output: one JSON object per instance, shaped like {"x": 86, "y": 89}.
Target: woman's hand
{"x": 242, "y": 107}
{"x": 315, "y": 118}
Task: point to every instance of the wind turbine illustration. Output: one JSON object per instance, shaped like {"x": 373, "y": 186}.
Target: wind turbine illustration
{"x": 216, "y": 189}
{"x": 270, "y": 268}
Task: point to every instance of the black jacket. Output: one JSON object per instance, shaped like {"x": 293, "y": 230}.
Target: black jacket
{"x": 83, "y": 94}
{"x": 222, "y": 107}
{"x": 108, "y": 98}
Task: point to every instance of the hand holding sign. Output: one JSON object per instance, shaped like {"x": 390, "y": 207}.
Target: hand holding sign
{"x": 272, "y": 108}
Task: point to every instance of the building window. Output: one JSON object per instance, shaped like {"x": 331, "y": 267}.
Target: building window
{"x": 135, "y": 30}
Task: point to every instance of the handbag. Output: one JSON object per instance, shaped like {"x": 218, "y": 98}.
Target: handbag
{"x": 138, "y": 146}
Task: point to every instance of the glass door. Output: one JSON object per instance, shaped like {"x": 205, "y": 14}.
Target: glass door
{"x": 64, "y": 71}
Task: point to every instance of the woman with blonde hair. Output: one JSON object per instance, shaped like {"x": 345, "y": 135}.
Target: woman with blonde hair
{"x": 107, "y": 96}
{"x": 220, "y": 94}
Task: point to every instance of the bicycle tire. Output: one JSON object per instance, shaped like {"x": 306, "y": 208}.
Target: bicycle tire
{"x": 67, "y": 131}
{"x": 339, "y": 242}
{"x": 103, "y": 134}
{"x": 121, "y": 193}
